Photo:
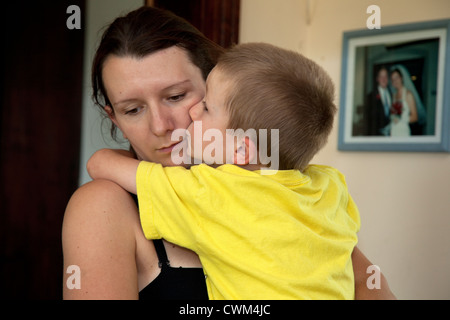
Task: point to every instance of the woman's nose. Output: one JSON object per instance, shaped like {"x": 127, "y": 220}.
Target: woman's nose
{"x": 160, "y": 122}
{"x": 196, "y": 111}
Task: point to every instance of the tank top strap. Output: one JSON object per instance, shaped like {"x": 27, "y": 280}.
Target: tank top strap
{"x": 161, "y": 252}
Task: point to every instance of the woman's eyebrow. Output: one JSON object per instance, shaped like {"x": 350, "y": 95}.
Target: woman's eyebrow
{"x": 181, "y": 83}
{"x": 168, "y": 88}
{"x": 116, "y": 104}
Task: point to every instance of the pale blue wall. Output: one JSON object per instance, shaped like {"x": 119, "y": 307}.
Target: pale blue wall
{"x": 98, "y": 14}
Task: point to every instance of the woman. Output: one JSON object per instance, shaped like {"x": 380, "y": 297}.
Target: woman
{"x": 149, "y": 70}
{"x": 407, "y": 111}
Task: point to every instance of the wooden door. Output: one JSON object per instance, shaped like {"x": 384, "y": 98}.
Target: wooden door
{"x": 216, "y": 19}
{"x": 40, "y": 120}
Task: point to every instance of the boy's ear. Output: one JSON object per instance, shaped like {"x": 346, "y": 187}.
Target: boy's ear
{"x": 245, "y": 152}
{"x": 111, "y": 115}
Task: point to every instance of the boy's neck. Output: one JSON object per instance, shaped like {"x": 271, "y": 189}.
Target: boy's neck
{"x": 252, "y": 167}
{"x": 249, "y": 167}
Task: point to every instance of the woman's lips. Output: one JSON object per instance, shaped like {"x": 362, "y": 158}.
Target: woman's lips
{"x": 169, "y": 148}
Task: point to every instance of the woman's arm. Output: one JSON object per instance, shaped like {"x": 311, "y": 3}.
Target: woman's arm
{"x": 362, "y": 292}
{"x": 115, "y": 165}
{"x": 99, "y": 236}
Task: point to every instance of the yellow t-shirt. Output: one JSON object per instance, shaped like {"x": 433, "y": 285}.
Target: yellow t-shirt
{"x": 284, "y": 236}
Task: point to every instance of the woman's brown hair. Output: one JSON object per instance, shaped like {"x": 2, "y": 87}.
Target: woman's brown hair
{"x": 145, "y": 31}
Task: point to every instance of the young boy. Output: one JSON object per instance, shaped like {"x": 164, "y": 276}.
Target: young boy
{"x": 287, "y": 235}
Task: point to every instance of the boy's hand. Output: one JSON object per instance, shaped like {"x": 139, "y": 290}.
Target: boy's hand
{"x": 99, "y": 161}
{"x": 122, "y": 152}
{"x": 118, "y": 166}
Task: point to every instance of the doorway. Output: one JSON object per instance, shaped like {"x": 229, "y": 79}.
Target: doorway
{"x": 40, "y": 141}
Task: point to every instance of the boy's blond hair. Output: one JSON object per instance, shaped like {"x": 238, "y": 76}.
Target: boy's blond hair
{"x": 274, "y": 88}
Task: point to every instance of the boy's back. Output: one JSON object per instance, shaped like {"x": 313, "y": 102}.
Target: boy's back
{"x": 283, "y": 236}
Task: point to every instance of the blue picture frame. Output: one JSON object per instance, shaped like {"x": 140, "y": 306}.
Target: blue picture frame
{"x": 423, "y": 49}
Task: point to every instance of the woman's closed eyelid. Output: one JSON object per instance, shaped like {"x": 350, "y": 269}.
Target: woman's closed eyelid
{"x": 176, "y": 97}
{"x": 132, "y": 110}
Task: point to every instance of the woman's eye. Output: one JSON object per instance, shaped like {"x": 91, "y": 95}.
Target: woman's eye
{"x": 133, "y": 111}
{"x": 177, "y": 97}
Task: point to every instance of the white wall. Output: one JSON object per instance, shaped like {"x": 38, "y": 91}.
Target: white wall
{"x": 404, "y": 198}
{"x": 98, "y": 14}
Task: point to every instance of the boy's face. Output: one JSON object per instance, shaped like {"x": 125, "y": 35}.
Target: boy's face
{"x": 210, "y": 118}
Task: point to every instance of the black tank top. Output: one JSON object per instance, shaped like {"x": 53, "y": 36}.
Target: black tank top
{"x": 174, "y": 283}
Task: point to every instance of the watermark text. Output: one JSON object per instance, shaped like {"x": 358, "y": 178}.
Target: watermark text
{"x": 374, "y": 21}
{"x": 227, "y": 148}
{"x": 74, "y": 280}
{"x": 74, "y": 20}
{"x": 373, "y": 281}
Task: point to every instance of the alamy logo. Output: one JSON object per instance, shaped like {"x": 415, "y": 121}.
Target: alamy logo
{"x": 220, "y": 150}
{"x": 374, "y": 21}
{"x": 74, "y": 20}
{"x": 74, "y": 280}
{"x": 373, "y": 281}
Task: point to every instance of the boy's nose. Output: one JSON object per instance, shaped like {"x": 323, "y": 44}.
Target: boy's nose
{"x": 196, "y": 111}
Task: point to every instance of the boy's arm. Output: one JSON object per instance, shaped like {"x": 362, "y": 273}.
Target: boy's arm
{"x": 115, "y": 165}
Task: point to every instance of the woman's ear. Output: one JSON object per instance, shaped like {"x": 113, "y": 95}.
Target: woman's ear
{"x": 111, "y": 115}
{"x": 245, "y": 152}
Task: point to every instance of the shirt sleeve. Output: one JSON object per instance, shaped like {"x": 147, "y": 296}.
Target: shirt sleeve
{"x": 352, "y": 217}
{"x": 352, "y": 209}
{"x": 168, "y": 203}
{"x": 353, "y": 212}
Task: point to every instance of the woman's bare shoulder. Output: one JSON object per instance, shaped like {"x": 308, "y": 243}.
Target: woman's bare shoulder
{"x": 99, "y": 236}
{"x": 98, "y": 190}
{"x": 98, "y": 200}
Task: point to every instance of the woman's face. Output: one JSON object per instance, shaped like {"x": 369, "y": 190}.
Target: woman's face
{"x": 151, "y": 97}
{"x": 396, "y": 79}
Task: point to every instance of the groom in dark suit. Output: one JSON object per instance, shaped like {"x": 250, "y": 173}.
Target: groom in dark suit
{"x": 378, "y": 104}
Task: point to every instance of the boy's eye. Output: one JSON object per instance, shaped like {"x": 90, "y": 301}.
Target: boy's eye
{"x": 205, "y": 106}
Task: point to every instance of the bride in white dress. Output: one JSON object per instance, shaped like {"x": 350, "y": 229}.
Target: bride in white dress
{"x": 404, "y": 107}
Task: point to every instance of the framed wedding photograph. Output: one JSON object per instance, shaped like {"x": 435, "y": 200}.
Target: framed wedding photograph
{"x": 395, "y": 88}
